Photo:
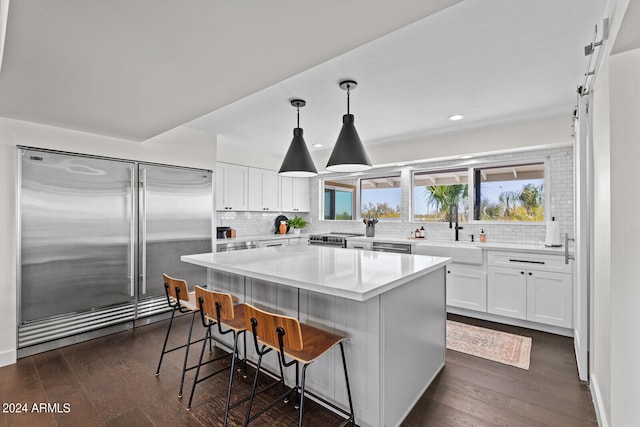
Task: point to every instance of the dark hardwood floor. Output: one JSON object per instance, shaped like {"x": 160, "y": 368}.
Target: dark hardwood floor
{"x": 110, "y": 381}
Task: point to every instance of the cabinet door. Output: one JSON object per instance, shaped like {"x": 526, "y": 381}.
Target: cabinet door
{"x": 359, "y": 245}
{"x": 507, "y": 292}
{"x": 286, "y": 194}
{"x": 270, "y": 191}
{"x": 235, "y": 187}
{"x": 254, "y": 190}
{"x": 272, "y": 243}
{"x": 466, "y": 288}
{"x": 549, "y": 298}
{"x": 301, "y": 202}
{"x": 262, "y": 190}
{"x": 219, "y": 178}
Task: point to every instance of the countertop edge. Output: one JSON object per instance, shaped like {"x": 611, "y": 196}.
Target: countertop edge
{"x": 356, "y": 296}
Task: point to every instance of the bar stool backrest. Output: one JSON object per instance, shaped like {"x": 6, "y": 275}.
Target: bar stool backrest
{"x": 172, "y": 284}
{"x": 209, "y": 300}
{"x": 268, "y": 324}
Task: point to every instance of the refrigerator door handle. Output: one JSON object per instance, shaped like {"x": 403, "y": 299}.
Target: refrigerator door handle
{"x": 132, "y": 236}
{"x": 143, "y": 228}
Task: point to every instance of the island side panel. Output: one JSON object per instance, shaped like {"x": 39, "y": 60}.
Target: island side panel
{"x": 360, "y": 323}
{"x": 414, "y": 342}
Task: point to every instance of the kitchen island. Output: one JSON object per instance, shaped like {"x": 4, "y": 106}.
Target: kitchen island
{"x": 390, "y": 306}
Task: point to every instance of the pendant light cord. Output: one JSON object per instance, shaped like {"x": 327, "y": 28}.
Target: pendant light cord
{"x": 298, "y": 108}
{"x": 348, "y": 92}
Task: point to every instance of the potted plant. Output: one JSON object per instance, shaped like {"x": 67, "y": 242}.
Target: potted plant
{"x": 296, "y": 223}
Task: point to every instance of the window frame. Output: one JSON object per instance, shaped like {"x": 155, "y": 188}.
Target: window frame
{"x": 436, "y": 170}
{"x": 337, "y": 186}
{"x": 390, "y": 174}
{"x": 471, "y": 168}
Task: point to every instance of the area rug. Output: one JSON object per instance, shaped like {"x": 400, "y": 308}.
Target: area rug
{"x": 510, "y": 349}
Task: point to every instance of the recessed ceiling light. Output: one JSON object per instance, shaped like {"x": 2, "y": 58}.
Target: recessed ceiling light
{"x": 400, "y": 164}
{"x": 466, "y": 156}
{"x": 317, "y": 145}
{"x": 455, "y": 117}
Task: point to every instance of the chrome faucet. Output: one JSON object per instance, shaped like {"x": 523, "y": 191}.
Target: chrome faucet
{"x": 454, "y": 214}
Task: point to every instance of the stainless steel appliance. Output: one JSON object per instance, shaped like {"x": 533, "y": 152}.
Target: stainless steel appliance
{"x": 235, "y": 246}
{"x": 332, "y": 239}
{"x": 399, "y": 248}
{"x": 95, "y": 236}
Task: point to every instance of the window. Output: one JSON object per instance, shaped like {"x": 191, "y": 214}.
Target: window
{"x": 509, "y": 193}
{"x": 438, "y": 194}
{"x": 380, "y": 197}
{"x": 339, "y": 200}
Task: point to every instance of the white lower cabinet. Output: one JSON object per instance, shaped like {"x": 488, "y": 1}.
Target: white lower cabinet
{"x": 537, "y": 288}
{"x": 359, "y": 245}
{"x": 550, "y": 298}
{"x": 272, "y": 243}
{"x": 507, "y": 292}
{"x": 298, "y": 241}
{"x": 466, "y": 287}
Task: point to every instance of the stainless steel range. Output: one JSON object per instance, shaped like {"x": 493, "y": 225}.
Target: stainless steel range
{"x": 332, "y": 239}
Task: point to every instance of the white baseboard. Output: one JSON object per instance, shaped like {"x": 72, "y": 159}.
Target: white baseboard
{"x": 8, "y": 357}
{"x": 596, "y": 396}
{"x": 510, "y": 321}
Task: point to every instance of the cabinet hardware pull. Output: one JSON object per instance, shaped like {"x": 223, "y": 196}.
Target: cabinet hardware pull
{"x": 567, "y": 257}
{"x": 530, "y": 274}
{"x": 526, "y": 260}
{"x": 522, "y": 272}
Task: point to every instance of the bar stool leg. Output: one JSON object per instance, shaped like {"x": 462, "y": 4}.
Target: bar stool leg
{"x": 253, "y": 391}
{"x": 236, "y": 335}
{"x": 186, "y": 355}
{"x": 166, "y": 339}
{"x": 346, "y": 377}
{"x": 284, "y": 387}
{"x": 207, "y": 336}
{"x": 304, "y": 374}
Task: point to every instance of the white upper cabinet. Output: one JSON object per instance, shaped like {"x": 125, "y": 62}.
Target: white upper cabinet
{"x": 263, "y": 190}
{"x": 294, "y": 194}
{"x": 231, "y": 187}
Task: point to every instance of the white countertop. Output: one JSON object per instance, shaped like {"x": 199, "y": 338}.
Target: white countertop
{"x": 494, "y": 246}
{"x": 347, "y": 273}
{"x": 261, "y": 237}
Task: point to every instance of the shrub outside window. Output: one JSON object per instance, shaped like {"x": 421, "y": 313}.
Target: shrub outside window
{"x": 380, "y": 197}
{"x": 510, "y": 193}
{"x": 437, "y": 194}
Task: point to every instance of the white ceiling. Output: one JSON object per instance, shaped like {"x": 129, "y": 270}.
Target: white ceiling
{"x": 136, "y": 68}
{"x": 494, "y": 61}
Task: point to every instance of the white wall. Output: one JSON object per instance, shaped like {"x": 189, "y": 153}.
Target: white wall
{"x": 625, "y": 231}
{"x": 525, "y": 135}
{"x": 615, "y": 294}
{"x": 600, "y": 313}
{"x": 181, "y": 146}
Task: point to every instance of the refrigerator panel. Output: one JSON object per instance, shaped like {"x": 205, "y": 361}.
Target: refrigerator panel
{"x": 76, "y": 234}
{"x": 176, "y": 208}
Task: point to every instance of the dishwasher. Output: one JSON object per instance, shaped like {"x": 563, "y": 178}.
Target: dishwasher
{"x": 235, "y": 246}
{"x": 398, "y": 248}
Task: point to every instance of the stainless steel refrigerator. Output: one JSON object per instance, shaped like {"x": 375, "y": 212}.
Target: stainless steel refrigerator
{"x": 95, "y": 236}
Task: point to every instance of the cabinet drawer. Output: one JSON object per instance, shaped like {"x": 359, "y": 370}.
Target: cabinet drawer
{"x": 528, "y": 261}
{"x": 359, "y": 245}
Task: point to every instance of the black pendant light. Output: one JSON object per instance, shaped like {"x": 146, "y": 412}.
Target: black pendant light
{"x": 297, "y": 162}
{"x": 348, "y": 154}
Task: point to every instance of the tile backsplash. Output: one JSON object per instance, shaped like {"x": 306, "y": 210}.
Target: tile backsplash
{"x": 561, "y": 207}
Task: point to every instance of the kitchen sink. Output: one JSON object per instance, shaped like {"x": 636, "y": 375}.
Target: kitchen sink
{"x": 464, "y": 253}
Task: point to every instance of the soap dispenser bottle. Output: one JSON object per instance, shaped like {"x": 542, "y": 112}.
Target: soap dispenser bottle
{"x": 483, "y": 237}
{"x": 423, "y": 233}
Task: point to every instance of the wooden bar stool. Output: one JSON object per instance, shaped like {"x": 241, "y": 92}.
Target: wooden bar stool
{"x": 181, "y": 301}
{"x": 219, "y": 308}
{"x": 300, "y": 342}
